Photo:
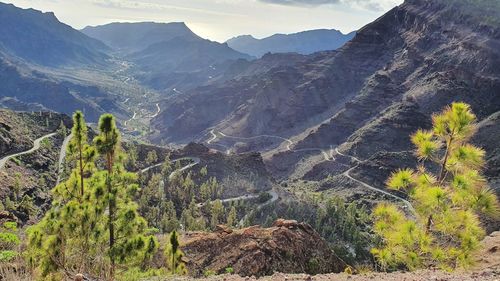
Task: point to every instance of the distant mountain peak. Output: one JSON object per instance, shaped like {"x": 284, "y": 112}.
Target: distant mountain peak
{"x": 130, "y": 37}
{"x": 245, "y": 36}
{"x": 305, "y": 42}
{"x": 39, "y": 37}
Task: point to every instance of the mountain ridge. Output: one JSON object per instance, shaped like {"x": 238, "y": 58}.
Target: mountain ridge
{"x": 130, "y": 37}
{"x": 304, "y": 42}
{"x": 41, "y": 38}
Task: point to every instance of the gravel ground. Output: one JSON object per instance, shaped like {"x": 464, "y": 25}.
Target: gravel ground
{"x": 425, "y": 275}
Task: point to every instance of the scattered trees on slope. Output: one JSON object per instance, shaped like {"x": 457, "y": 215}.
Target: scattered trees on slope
{"x": 448, "y": 192}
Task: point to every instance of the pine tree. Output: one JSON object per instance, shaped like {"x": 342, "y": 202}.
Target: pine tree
{"x": 132, "y": 156}
{"x": 79, "y": 147}
{"x": 9, "y": 241}
{"x": 174, "y": 255}
{"x": 446, "y": 230}
{"x": 231, "y": 217}
{"x": 72, "y": 235}
{"x": 152, "y": 157}
{"x": 166, "y": 168}
{"x": 62, "y": 130}
{"x": 216, "y": 213}
{"x": 61, "y": 240}
{"x": 115, "y": 188}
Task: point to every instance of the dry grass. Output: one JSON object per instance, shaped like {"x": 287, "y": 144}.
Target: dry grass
{"x": 13, "y": 271}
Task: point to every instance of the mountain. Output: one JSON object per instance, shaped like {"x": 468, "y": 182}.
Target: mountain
{"x": 183, "y": 62}
{"x": 365, "y": 98}
{"x": 306, "y": 42}
{"x": 134, "y": 37}
{"x": 166, "y": 55}
{"x": 47, "y": 65}
{"x": 40, "y": 38}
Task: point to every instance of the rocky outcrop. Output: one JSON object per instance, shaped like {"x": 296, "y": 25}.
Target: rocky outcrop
{"x": 287, "y": 246}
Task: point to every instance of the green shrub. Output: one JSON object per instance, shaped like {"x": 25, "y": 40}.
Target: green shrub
{"x": 7, "y": 256}
{"x": 209, "y": 273}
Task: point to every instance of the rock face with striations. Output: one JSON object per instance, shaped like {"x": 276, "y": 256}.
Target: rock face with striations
{"x": 287, "y": 246}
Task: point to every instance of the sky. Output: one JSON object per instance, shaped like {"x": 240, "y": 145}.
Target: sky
{"x": 220, "y": 20}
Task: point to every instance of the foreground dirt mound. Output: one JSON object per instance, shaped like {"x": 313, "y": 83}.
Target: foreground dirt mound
{"x": 288, "y": 247}
{"x": 487, "y": 268}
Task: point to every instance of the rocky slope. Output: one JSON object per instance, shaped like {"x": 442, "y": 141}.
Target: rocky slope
{"x": 487, "y": 268}
{"x": 287, "y": 246}
{"x": 238, "y": 175}
{"x": 366, "y": 97}
{"x": 163, "y": 64}
{"x": 306, "y": 42}
{"x": 19, "y": 129}
{"x": 26, "y": 180}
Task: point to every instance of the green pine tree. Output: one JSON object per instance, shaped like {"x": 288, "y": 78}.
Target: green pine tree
{"x": 447, "y": 229}
{"x": 114, "y": 189}
{"x": 79, "y": 148}
{"x": 231, "y": 217}
{"x": 174, "y": 255}
{"x": 85, "y": 219}
{"x": 152, "y": 157}
{"x": 9, "y": 242}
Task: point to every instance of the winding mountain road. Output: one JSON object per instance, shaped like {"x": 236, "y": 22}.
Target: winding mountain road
{"x": 133, "y": 117}
{"x": 274, "y": 198}
{"x": 347, "y": 174}
{"x": 36, "y": 146}
{"x": 158, "y": 110}
{"x": 62, "y": 155}
{"x": 328, "y": 157}
{"x": 195, "y": 161}
{"x": 243, "y": 198}
{"x": 212, "y": 138}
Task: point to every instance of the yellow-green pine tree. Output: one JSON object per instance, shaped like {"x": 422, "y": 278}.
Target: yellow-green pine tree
{"x": 448, "y": 192}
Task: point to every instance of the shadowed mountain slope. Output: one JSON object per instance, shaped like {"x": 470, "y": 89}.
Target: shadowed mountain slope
{"x": 41, "y": 38}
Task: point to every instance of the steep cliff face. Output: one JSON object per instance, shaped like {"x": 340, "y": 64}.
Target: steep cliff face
{"x": 416, "y": 55}
{"x": 438, "y": 59}
{"x": 287, "y": 246}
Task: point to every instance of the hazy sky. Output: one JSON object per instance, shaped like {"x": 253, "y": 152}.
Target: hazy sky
{"x": 221, "y": 19}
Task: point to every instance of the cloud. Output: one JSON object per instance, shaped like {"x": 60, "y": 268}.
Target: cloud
{"x": 373, "y": 5}
{"x": 155, "y": 6}
{"x": 301, "y": 2}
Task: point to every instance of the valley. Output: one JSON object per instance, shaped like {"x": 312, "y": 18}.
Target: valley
{"x": 318, "y": 155}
